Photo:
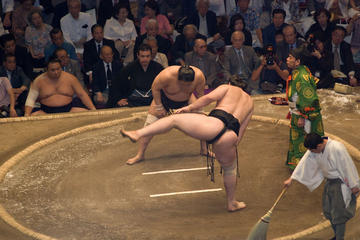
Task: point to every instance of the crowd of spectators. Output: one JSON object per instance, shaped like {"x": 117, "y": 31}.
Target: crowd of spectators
{"x": 115, "y": 48}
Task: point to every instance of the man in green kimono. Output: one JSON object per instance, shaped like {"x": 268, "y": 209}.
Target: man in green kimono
{"x": 304, "y": 107}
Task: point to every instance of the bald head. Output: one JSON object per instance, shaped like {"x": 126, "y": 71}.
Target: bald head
{"x": 237, "y": 39}
{"x": 106, "y": 54}
{"x": 200, "y": 46}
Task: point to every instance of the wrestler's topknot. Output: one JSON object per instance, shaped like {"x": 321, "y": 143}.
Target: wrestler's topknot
{"x": 186, "y": 73}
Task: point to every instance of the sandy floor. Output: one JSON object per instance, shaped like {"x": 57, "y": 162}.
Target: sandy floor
{"x": 80, "y": 188}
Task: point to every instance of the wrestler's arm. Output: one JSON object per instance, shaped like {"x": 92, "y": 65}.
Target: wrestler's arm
{"x": 244, "y": 125}
{"x": 80, "y": 92}
{"x": 157, "y": 107}
{"x": 200, "y": 86}
{"x": 205, "y": 100}
{"x": 32, "y": 97}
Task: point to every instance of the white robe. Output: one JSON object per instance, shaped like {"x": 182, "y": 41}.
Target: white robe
{"x": 333, "y": 162}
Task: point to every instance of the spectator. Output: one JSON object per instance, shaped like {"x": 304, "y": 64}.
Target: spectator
{"x": 122, "y": 31}
{"x": 343, "y": 59}
{"x": 21, "y": 54}
{"x": 291, "y": 8}
{"x": 70, "y": 65}
{"x": 7, "y": 99}
{"x": 55, "y": 99}
{"x": 60, "y": 11}
{"x": 106, "y": 9}
{"x": 242, "y": 60}
{"x": 290, "y": 42}
{"x": 353, "y": 29}
{"x": 20, "y": 83}
{"x": 268, "y": 33}
{"x": 206, "y": 23}
{"x": 237, "y": 24}
{"x": 57, "y": 40}
{"x": 185, "y": 43}
{"x": 152, "y": 12}
{"x": 76, "y": 26}
{"x": 37, "y": 37}
{"x": 172, "y": 9}
{"x": 323, "y": 27}
{"x": 105, "y": 72}
{"x": 320, "y": 62}
{"x": 251, "y": 17}
{"x": 20, "y": 20}
{"x": 155, "y": 55}
{"x": 337, "y": 8}
{"x": 7, "y": 8}
{"x": 133, "y": 85}
{"x": 205, "y": 61}
{"x": 92, "y": 49}
{"x": 152, "y": 29}
{"x": 221, "y": 7}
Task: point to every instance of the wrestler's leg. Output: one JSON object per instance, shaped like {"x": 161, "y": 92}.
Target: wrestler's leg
{"x": 195, "y": 125}
{"x": 40, "y": 112}
{"x": 143, "y": 142}
{"x": 225, "y": 150}
{"x": 78, "y": 109}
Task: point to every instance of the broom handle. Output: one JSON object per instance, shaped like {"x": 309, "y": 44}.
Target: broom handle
{"x": 278, "y": 199}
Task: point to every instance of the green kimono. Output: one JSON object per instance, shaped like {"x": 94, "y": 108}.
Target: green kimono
{"x": 307, "y": 106}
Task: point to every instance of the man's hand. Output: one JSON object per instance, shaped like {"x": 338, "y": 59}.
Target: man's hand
{"x": 301, "y": 122}
{"x": 355, "y": 191}
{"x": 13, "y": 112}
{"x": 183, "y": 110}
{"x": 287, "y": 182}
{"x": 100, "y": 97}
{"x": 7, "y": 20}
{"x": 353, "y": 81}
{"x": 316, "y": 54}
{"x": 122, "y": 102}
{"x": 272, "y": 67}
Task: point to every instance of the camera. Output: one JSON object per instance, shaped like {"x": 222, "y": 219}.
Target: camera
{"x": 311, "y": 47}
{"x": 269, "y": 55}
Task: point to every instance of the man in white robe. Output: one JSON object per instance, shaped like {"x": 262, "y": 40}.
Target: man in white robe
{"x": 329, "y": 159}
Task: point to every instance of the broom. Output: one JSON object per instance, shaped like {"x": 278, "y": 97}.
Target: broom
{"x": 259, "y": 231}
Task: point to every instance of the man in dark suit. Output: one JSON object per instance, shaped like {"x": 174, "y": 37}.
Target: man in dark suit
{"x": 205, "y": 20}
{"x": 342, "y": 56}
{"x": 105, "y": 71}
{"x": 92, "y": 49}
{"x": 290, "y": 42}
{"x": 19, "y": 81}
{"x": 242, "y": 61}
{"x": 23, "y": 57}
{"x": 106, "y": 10}
{"x": 152, "y": 28}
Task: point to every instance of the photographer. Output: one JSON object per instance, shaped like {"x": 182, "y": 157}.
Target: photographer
{"x": 319, "y": 61}
{"x": 274, "y": 74}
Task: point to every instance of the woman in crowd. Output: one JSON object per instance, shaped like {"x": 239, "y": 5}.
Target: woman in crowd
{"x": 152, "y": 12}
{"x": 20, "y": 20}
{"x": 122, "y": 30}
{"x": 37, "y": 37}
{"x": 237, "y": 24}
{"x": 322, "y": 27}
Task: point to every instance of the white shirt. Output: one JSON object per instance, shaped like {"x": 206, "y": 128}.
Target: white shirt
{"x": 203, "y": 26}
{"x": 75, "y": 29}
{"x": 333, "y": 162}
{"x": 114, "y": 30}
{"x": 7, "y": 6}
{"x": 218, "y": 7}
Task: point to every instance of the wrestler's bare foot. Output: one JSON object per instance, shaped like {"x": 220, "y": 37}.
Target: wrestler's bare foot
{"x": 236, "y": 206}
{"x": 134, "y": 160}
{"x": 129, "y": 134}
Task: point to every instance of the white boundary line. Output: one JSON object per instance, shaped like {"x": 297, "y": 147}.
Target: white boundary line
{"x": 185, "y": 192}
{"x": 174, "y": 171}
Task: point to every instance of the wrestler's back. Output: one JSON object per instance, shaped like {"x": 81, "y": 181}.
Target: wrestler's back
{"x": 236, "y": 102}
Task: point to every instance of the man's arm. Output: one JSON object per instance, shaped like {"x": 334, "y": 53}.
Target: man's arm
{"x": 12, "y": 103}
{"x": 158, "y": 84}
{"x": 31, "y": 98}
{"x": 205, "y": 100}
{"x": 80, "y": 92}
